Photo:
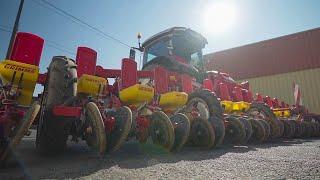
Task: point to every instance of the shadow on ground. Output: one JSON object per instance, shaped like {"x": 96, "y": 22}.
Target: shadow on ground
{"x": 78, "y": 160}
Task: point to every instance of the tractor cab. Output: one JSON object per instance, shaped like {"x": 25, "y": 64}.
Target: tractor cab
{"x": 177, "y": 48}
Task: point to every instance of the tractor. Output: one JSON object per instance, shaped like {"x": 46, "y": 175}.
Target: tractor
{"x": 18, "y": 77}
{"x": 226, "y": 104}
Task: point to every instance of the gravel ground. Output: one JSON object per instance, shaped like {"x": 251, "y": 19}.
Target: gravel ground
{"x": 297, "y": 159}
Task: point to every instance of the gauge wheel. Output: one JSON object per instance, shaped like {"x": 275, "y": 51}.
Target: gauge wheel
{"x": 235, "y": 131}
{"x": 267, "y": 128}
{"x": 161, "y": 130}
{"x": 94, "y": 132}
{"x": 181, "y": 124}
{"x": 258, "y": 131}
{"x": 248, "y": 128}
{"x": 20, "y": 131}
{"x": 281, "y": 127}
{"x": 219, "y": 129}
{"x": 120, "y": 132}
{"x": 201, "y": 134}
{"x": 288, "y": 129}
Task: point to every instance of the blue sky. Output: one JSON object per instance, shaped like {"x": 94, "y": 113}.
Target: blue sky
{"x": 256, "y": 20}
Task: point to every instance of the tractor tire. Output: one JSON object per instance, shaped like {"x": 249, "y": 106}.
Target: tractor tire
{"x": 257, "y": 108}
{"x": 258, "y": 131}
{"x": 201, "y": 134}
{"x": 120, "y": 132}
{"x": 206, "y": 102}
{"x": 280, "y": 122}
{"x": 219, "y": 129}
{"x": 95, "y": 134}
{"x": 181, "y": 124}
{"x": 267, "y": 129}
{"x": 162, "y": 131}
{"x": 235, "y": 131}
{"x": 288, "y": 129}
{"x": 248, "y": 128}
{"x": 20, "y": 131}
{"x": 61, "y": 85}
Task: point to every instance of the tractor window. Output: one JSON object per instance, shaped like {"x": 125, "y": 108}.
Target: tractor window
{"x": 196, "y": 60}
{"x": 158, "y": 49}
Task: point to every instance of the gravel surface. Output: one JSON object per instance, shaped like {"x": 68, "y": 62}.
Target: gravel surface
{"x": 282, "y": 159}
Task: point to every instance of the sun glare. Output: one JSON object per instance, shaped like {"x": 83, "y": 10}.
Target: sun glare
{"x": 219, "y": 17}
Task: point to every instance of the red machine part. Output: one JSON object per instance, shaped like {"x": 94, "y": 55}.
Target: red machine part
{"x": 268, "y": 101}
{"x": 247, "y": 95}
{"x": 161, "y": 78}
{"x": 223, "y": 92}
{"x": 142, "y": 123}
{"x": 207, "y": 84}
{"x": 86, "y": 60}
{"x": 129, "y": 74}
{"x": 259, "y": 97}
{"x": 237, "y": 94}
{"x": 27, "y": 48}
{"x": 109, "y": 123}
{"x": 186, "y": 83}
{"x": 67, "y": 111}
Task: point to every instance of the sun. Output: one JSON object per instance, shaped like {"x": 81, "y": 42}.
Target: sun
{"x": 219, "y": 17}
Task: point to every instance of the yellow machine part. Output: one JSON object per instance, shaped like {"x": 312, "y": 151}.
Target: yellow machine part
{"x": 241, "y": 106}
{"x": 26, "y": 72}
{"x": 173, "y": 100}
{"x": 136, "y": 94}
{"x": 228, "y": 106}
{"x": 281, "y": 113}
{"x": 91, "y": 85}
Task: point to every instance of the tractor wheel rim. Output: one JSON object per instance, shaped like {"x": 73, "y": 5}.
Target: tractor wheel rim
{"x": 201, "y": 107}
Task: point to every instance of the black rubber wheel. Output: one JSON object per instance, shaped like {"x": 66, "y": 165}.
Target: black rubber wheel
{"x": 120, "y": 132}
{"x": 162, "y": 131}
{"x": 258, "y": 131}
{"x": 293, "y": 127}
{"x": 201, "y": 134}
{"x": 20, "y": 131}
{"x": 219, "y": 129}
{"x": 281, "y": 127}
{"x": 206, "y": 102}
{"x": 267, "y": 129}
{"x": 209, "y": 109}
{"x": 248, "y": 128}
{"x": 317, "y": 134}
{"x": 288, "y": 129}
{"x": 261, "y": 109}
{"x": 306, "y": 129}
{"x": 181, "y": 124}
{"x": 235, "y": 131}
{"x": 61, "y": 85}
{"x": 297, "y": 128}
{"x": 94, "y": 133}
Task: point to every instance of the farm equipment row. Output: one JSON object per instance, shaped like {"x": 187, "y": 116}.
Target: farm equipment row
{"x": 171, "y": 102}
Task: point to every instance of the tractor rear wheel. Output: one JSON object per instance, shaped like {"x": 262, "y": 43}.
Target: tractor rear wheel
{"x": 61, "y": 85}
{"x": 162, "y": 131}
{"x": 261, "y": 109}
{"x": 119, "y": 134}
{"x": 235, "y": 131}
{"x": 259, "y": 132}
{"x": 21, "y": 130}
{"x": 181, "y": 124}
{"x": 201, "y": 133}
{"x": 267, "y": 129}
{"x": 94, "y": 133}
{"x": 248, "y": 128}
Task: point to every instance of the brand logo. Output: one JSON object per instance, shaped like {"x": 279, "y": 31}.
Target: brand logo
{"x": 19, "y": 68}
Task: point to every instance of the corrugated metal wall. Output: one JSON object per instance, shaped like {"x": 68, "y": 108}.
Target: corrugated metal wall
{"x": 280, "y": 86}
{"x": 285, "y": 54}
